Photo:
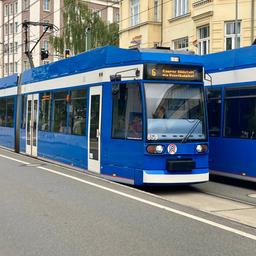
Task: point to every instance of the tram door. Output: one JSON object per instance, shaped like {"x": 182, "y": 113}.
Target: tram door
{"x": 94, "y": 129}
{"x": 32, "y": 124}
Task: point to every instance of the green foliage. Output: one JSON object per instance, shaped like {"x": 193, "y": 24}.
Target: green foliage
{"x": 77, "y": 17}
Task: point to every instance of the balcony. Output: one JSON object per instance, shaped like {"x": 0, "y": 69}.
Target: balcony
{"x": 198, "y": 3}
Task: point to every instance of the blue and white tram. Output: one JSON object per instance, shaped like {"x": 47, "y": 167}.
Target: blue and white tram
{"x": 232, "y": 112}
{"x": 130, "y": 116}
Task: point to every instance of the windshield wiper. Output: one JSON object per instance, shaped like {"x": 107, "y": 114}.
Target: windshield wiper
{"x": 190, "y": 131}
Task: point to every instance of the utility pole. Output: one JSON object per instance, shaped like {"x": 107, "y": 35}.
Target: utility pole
{"x": 26, "y": 25}
{"x": 252, "y": 20}
{"x": 87, "y": 39}
{"x": 236, "y": 24}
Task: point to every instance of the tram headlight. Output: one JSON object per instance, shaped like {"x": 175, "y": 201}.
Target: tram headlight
{"x": 202, "y": 148}
{"x": 155, "y": 149}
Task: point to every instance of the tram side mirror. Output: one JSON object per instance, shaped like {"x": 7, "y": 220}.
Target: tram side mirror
{"x": 137, "y": 73}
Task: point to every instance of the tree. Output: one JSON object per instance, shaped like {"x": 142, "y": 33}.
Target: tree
{"x": 78, "y": 18}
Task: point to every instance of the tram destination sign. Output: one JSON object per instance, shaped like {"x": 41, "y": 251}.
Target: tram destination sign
{"x": 173, "y": 72}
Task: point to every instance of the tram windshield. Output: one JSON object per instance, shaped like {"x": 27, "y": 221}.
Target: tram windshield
{"x": 175, "y": 112}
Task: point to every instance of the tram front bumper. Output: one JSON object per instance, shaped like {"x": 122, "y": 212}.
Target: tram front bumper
{"x": 158, "y": 177}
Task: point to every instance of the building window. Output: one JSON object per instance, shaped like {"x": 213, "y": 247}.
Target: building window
{"x": 11, "y": 28}
{"x": 135, "y": 9}
{"x": 11, "y": 47}
{"x": 16, "y": 47}
{"x": 6, "y": 10}
{"x": 5, "y": 48}
{"x": 127, "y": 111}
{"x": 16, "y": 67}
{"x": 230, "y": 35}
{"x": 6, "y": 29}
{"x": 11, "y": 68}
{"x": 181, "y": 44}
{"x": 116, "y": 17}
{"x": 16, "y": 8}
{"x": 60, "y": 112}
{"x": 180, "y": 7}
{"x": 46, "y": 45}
{"x": 16, "y": 27}
{"x": 77, "y": 112}
{"x": 25, "y": 65}
{"x": 11, "y": 9}
{"x": 214, "y": 111}
{"x": 25, "y": 4}
{"x": 6, "y": 68}
{"x": 156, "y": 10}
{"x": 203, "y": 40}
{"x": 240, "y": 114}
{"x": 46, "y": 4}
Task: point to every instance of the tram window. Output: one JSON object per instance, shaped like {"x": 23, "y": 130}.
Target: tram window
{"x": 24, "y": 111}
{"x": 9, "y": 112}
{"x": 240, "y": 113}
{"x": 127, "y": 111}
{"x": 60, "y": 112}
{"x": 2, "y": 111}
{"x": 45, "y": 112}
{"x": 214, "y": 111}
{"x": 77, "y": 112}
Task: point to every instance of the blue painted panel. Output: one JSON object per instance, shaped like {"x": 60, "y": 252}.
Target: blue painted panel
{"x": 230, "y": 60}
{"x": 7, "y": 137}
{"x": 118, "y": 156}
{"x": 8, "y": 81}
{"x": 23, "y": 140}
{"x": 69, "y": 149}
{"x": 107, "y": 56}
{"x": 233, "y": 155}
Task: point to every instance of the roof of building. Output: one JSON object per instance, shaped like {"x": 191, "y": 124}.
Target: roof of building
{"x": 233, "y": 59}
{"x": 107, "y": 56}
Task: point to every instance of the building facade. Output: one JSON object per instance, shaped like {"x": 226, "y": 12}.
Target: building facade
{"x": 203, "y": 26}
{"x": 108, "y": 10}
{"x": 12, "y": 37}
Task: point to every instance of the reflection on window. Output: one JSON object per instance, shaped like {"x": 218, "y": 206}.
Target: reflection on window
{"x": 45, "y": 112}
{"x": 77, "y": 116}
{"x": 60, "y": 112}
{"x": 232, "y": 34}
{"x": 173, "y": 110}
{"x": 135, "y": 12}
{"x": 214, "y": 111}
{"x": 7, "y": 112}
{"x": 180, "y": 7}
{"x": 127, "y": 111}
{"x": 23, "y": 113}
{"x": 203, "y": 40}
{"x": 240, "y": 113}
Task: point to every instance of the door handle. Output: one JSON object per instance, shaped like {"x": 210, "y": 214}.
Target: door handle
{"x": 97, "y": 133}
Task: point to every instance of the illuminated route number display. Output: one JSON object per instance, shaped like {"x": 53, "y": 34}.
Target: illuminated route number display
{"x": 173, "y": 72}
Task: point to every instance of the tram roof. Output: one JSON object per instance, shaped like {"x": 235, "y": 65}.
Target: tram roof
{"x": 8, "y": 81}
{"x": 107, "y": 56}
{"x": 228, "y": 60}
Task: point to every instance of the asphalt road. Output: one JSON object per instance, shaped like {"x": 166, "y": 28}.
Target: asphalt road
{"x": 49, "y": 210}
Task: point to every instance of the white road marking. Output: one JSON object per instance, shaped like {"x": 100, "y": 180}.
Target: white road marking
{"x": 166, "y": 208}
